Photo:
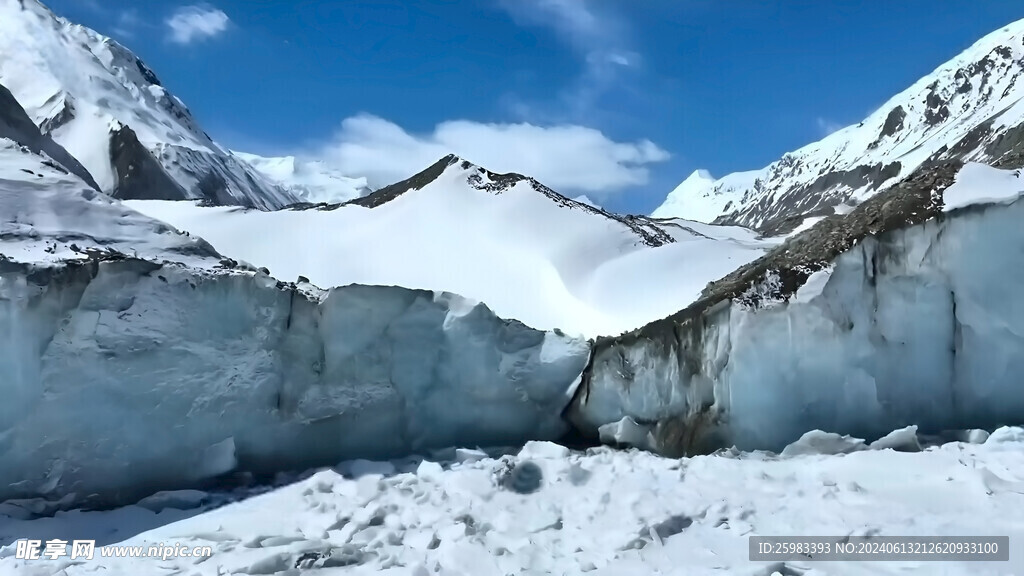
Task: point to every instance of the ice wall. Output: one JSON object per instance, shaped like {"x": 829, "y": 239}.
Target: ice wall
{"x": 123, "y": 377}
{"x": 922, "y": 325}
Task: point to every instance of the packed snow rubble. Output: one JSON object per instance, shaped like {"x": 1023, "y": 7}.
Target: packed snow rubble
{"x": 602, "y": 512}
{"x": 905, "y": 311}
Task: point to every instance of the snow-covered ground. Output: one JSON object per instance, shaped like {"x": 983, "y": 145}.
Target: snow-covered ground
{"x": 981, "y": 184}
{"x": 601, "y": 512}
{"x": 527, "y": 256}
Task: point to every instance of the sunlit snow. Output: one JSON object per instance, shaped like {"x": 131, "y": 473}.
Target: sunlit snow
{"x": 601, "y": 512}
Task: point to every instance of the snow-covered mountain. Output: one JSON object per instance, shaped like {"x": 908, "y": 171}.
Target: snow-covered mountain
{"x": 969, "y": 109}
{"x": 311, "y": 181}
{"x": 51, "y": 211}
{"x": 526, "y": 251}
{"x": 109, "y": 110}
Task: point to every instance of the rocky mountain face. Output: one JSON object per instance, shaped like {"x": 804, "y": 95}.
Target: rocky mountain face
{"x": 18, "y": 128}
{"x": 110, "y": 111}
{"x": 969, "y": 109}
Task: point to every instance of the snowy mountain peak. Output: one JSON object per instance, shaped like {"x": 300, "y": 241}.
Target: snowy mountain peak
{"x": 83, "y": 88}
{"x": 971, "y": 108}
{"x": 454, "y": 175}
{"x": 699, "y": 176}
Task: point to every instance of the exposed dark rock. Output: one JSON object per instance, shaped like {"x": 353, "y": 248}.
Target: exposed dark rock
{"x": 937, "y": 110}
{"x": 147, "y": 73}
{"x": 138, "y": 175}
{"x": 62, "y": 117}
{"x": 523, "y": 478}
{"x": 893, "y": 123}
{"x": 783, "y": 214}
{"x": 1006, "y": 151}
{"x": 389, "y": 193}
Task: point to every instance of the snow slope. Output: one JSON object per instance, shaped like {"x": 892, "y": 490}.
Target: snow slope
{"x": 970, "y": 108}
{"x": 310, "y": 181}
{"x": 905, "y": 311}
{"x": 603, "y": 512}
{"x": 109, "y": 110}
{"x": 527, "y": 252}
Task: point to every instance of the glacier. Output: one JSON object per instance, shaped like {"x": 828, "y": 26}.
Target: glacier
{"x": 125, "y": 376}
{"x": 136, "y": 357}
{"x": 912, "y": 325}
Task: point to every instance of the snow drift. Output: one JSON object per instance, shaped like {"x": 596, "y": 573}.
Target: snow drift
{"x": 903, "y": 312}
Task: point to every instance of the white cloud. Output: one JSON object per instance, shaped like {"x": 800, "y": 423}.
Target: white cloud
{"x": 192, "y": 23}
{"x": 127, "y": 22}
{"x": 565, "y": 157}
{"x": 828, "y": 127}
{"x": 599, "y": 38}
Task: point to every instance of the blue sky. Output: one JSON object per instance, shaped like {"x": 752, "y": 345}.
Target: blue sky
{"x": 616, "y": 99}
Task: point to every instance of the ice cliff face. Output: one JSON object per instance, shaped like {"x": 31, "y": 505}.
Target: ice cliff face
{"x": 903, "y": 312}
{"x": 110, "y": 111}
{"x": 128, "y": 376}
{"x": 969, "y": 109}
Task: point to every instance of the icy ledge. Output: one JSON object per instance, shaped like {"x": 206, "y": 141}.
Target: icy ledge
{"x": 903, "y": 312}
{"x": 122, "y": 377}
